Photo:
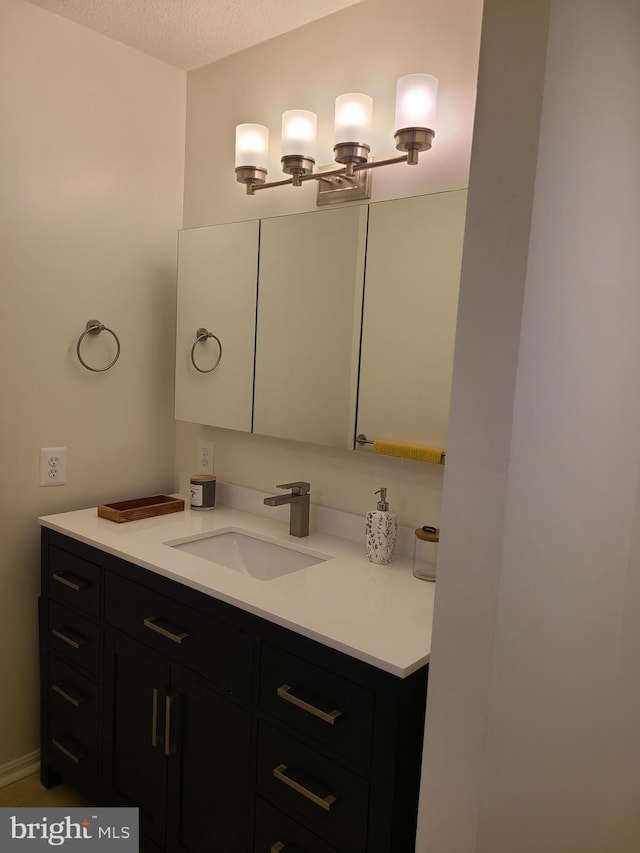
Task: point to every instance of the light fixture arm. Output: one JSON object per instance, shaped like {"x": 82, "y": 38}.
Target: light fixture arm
{"x": 339, "y": 171}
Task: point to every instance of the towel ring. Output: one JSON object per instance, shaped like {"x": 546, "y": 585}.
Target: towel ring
{"x": 94, "y": 327}
{"x": 202, "y": 335}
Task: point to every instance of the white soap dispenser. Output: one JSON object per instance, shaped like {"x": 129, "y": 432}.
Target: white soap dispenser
{"x": 381, "y": 531}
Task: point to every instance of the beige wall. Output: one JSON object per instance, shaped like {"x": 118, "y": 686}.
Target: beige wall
{"x": 92, "y": 152}
{"x": 532, "y": 740}
{"x": 363, "y": 48}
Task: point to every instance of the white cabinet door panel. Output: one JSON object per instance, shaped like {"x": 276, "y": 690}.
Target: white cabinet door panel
{"x": 410, "y": 307}
{"x": 309, "y": 316}
{"x": 217, "y": 283}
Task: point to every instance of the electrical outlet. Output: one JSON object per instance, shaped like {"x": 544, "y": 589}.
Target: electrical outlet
{"x": 53, "y": 466}
{"x": 205, "y": 457}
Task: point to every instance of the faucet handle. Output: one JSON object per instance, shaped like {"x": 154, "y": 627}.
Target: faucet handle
{"x": 298, "y": 488}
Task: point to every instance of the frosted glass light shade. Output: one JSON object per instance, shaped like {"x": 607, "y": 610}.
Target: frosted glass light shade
{"x": 252, "y": 145}
{"x": 299, "y": 133}
{"x": 353, "y": 118}
{"x": 416, "y": 101}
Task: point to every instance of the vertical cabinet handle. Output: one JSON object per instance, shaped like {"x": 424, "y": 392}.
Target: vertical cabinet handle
{"x": 69, "y": 580}
{"x": 324, "y": 802}
{"x": 169, "y": 747}
{"x": 156, "y": 739}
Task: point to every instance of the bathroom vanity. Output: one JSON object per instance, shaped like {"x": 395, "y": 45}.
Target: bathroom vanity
{"x": 240, "y": 714}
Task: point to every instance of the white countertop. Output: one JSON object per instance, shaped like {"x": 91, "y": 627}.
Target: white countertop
{"x": 379, "y": 614}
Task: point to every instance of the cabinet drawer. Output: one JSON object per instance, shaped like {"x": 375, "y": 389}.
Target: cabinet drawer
{"x": 335, "y": 712}
{"x": 218, "y": 652}
{"x": 74, "y": 700}
{"x": 276, "y": 832}
{"x": 75, "y": 756}
{"x": 74, "y": 637}
{"x": 309, "y": 784}
{"x": 73, "y": 580}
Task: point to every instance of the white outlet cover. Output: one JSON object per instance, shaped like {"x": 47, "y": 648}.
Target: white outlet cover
{"x": 205, "y": 457}
{"x": 53, "y": 466}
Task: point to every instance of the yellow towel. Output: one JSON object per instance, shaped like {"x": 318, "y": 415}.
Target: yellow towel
{"x": 409, "y": 451}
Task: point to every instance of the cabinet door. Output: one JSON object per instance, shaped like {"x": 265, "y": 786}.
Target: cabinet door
{"x": 414, "y": 254}
{"x": 308, "y": 332}
{"x": 217, "y": 282}
{"x": 209, "y": 798}
{"x": 136, "y": 686}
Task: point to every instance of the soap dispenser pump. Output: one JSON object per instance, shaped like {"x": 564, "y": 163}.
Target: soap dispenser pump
{"x": 381, "y": 531}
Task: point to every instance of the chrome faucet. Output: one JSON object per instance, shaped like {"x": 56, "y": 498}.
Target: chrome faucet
{"x": 298, "y": 498}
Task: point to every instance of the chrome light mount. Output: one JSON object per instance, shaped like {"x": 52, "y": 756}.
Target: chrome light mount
{"x": 297, "y": 165}
{"x": 413, "y": 140}
{"x": 351, "y": 154}
{"x": 251, "y": 176}
{"x": 337, "y": 186}
{"x": 348, "y": 184}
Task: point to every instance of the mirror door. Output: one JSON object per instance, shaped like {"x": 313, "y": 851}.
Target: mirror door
{"x": 217, "y": 282}
{"x": 308, "y": 332}
{"x": 414, "y": 256}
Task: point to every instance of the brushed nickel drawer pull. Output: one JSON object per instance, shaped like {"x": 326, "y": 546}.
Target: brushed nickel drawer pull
{"x": 156, "y": 739}
{"x": 69, "y": 580}
{"x": 75, "y": 644}
{"x": 169, "y": 748}
{"x": 63, "y": 749}
{"x": 150, "y": 622}
{"x": 284, "y": 692}
{"x": 277, "y": 847}
{"x": 76, "y": 701}
{"x": 324, "y": 802}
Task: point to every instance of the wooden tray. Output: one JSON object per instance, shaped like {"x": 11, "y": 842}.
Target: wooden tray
{"x": 140, "y": 508}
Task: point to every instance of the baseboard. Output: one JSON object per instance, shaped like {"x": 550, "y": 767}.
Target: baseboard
{"x": 17, "y": 769}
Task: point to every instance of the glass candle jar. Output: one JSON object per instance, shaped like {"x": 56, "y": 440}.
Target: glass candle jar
{"x": 425, "y": 553}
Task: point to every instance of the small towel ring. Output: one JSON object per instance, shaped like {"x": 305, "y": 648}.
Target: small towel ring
{"x": 202, "y": 335}
{"x": 94, "y": 327}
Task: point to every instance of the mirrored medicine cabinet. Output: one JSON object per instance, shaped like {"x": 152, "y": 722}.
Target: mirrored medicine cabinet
{"x": 327, "y": 324}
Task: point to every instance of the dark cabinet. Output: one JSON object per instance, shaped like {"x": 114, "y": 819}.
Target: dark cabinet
{"x": 73, "y": 721}
{"x": 276, "y": 832}
{"x": 318, "y": 704}
{"x": 70, "y": 648}
{"x": 309, "y": 784}
{"x": 176, "y": 749}
{"x": 181, "y": 633}
{"x": 231, "y": 734}
{"x": 214, "y": 757}
{"x": 135, "y": 765}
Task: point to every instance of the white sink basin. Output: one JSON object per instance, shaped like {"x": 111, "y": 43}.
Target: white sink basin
{"x": 246, "y": 552}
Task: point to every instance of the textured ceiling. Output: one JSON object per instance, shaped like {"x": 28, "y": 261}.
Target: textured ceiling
{"x": 191, "y": 33}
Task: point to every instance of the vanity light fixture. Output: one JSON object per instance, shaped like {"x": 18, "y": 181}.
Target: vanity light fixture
{"x": 416, "y": 100}
{"x": 298, "y": 143}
